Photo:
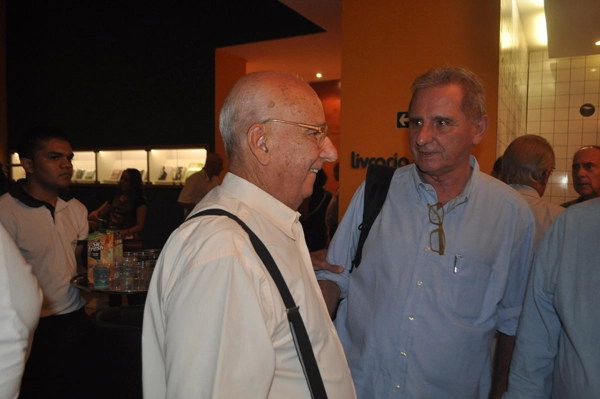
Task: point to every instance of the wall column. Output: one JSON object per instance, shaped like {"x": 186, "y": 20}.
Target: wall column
{"x": 385, "y": 45}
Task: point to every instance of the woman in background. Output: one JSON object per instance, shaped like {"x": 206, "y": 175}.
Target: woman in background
{"x": 127, "y": 210}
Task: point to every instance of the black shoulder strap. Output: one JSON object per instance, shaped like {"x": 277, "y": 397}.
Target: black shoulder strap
{"x": 299, "y": 333}
{"x": 377, "y": 185}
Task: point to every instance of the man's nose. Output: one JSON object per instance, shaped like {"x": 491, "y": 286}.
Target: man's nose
{"x": 424, "y": 134}
{"x": 328, "y": 151}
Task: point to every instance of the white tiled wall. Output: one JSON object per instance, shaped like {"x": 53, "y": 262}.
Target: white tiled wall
{"x": 538, "y": 95}
{"x": 557, "y": 89}
{"x": 512, "y": 88}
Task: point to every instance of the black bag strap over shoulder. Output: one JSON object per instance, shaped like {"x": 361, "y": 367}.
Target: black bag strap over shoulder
{"x": 377, "y": 185}
{"x": 299, "y": 333}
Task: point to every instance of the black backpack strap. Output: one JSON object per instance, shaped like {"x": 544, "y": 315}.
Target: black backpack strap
{"x": 377, "y": 185}
{"x": 299, "y": 333}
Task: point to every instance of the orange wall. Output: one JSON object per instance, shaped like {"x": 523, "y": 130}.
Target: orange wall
{"x": 228, "y": 69}
{"x": 385, "y": 45}
{"x": 3, "y": 111}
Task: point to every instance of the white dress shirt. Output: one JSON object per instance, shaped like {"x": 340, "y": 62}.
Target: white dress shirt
{"x": 543, "y": 212}
{"x": 20, "y": 304}
{"x": 215, "y": 325}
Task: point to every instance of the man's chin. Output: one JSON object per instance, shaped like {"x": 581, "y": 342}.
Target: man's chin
{"x": 585, "y": 192}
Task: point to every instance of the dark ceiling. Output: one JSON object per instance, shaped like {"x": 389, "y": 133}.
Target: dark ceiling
{"x": 128, "y": 73}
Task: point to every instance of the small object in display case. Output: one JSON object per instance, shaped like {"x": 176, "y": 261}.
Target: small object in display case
{"x": 89, "y": 175}
{"x": 115, "y": 175}
{"x": 193, "y": 168}
{"x": 165, "y": 172}
{"x": 178, "y": 173}
{"x": 79, "y": 173}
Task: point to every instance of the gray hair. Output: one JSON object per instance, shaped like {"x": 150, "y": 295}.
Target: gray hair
{"x": 239, "y": 112}
{"x": 526, "y": 160}
{"x": 473, "y": 102}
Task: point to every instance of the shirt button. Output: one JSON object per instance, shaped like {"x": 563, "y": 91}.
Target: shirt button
{"x": 419, "y": 283}
{"x": 403, "y": 353}
{"x": 397, "y": 386}
{"x": 427, "y": 249}
{"x": 411, "y": 317}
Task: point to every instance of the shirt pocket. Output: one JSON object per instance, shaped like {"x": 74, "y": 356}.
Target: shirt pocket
{"x": 467, "y": 286}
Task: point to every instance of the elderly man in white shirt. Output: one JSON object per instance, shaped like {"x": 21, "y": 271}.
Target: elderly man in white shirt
{"x": 527, "y": 165}
{"x": 215, "y": 325}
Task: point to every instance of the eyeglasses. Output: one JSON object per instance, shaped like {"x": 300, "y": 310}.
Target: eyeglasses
{"x": 438, "y": 219}
{"x": 321, "y": 131}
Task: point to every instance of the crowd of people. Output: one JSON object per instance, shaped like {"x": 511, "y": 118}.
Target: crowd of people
{"x": 470, "y": 285}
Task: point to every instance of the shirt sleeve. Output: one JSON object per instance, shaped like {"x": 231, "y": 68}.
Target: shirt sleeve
{"x": 20, "y": 305}
{"x": 139, "y": 201}
{"x": 539, "y": 329}
{"x": 218, "y": 342}
{"x": 521, "y": 257}
{"x": 82, "y": 221}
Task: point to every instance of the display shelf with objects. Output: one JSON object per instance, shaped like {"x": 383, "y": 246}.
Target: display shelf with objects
{"x": 111, "y": 163}
{"x": 173, "y": 166}
{"x": 158, "y": 166}
{"x": 84, "y": 167}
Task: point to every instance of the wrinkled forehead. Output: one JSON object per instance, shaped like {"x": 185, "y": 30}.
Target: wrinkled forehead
{"x": 587, "y": 155}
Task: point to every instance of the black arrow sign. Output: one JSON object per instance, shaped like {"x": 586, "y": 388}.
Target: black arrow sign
{"x": 402, "y": 120}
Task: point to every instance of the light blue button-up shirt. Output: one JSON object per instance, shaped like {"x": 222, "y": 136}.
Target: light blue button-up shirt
{"x": 416, "y": 324}
{"x": 557, "y": 354}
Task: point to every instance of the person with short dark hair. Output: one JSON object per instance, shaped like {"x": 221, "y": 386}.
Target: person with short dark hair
{"x": 586, "y": 174}
{"x": 497, "y": 168}
{"x": 50, "y": 229}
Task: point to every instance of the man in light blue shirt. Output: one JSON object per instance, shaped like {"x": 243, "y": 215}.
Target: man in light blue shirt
{"x": 557, "y": 353}
{"x": 445, "y": 264}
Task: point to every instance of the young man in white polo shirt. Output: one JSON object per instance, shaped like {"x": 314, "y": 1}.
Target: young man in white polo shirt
{"x": 50, "y": 229}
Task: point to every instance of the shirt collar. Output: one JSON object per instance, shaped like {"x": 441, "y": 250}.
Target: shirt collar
{"x": 262, "y": 202}
{"x": 526, "y": 190}
{"x": 428, "y": 192}
{"x": 18, "y": 192}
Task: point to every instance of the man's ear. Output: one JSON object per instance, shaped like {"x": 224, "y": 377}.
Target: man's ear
{"x": 257, "y": 142}
{"x": 27, "y": 164}
{"x": 481, "y": 128}
{"x": 546, "y": 176}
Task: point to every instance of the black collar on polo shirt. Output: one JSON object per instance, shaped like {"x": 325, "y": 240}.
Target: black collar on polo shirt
{"x": 17, "y": 192}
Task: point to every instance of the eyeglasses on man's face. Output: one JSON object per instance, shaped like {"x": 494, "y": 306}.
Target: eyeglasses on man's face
{"x": 436, "y": 217}
{"x": 320, "y": 131}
